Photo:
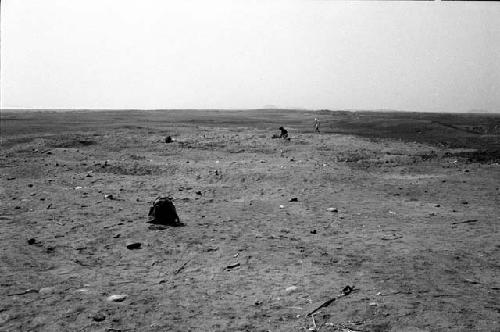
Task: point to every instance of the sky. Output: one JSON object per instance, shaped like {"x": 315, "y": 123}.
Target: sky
{"x": 239, "y": 54}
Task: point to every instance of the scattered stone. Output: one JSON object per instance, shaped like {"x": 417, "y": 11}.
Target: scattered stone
{"x": 134, "y": 245}
{"x": 470, "y": 281}
{"x": 46, "y": 290}
{"x": 437, "y": 205}
{"x": 117, "y": 298}
{"x": 49, "y": 206}
{"x": 30, "y": 185}
{"x": 198, "y": 193}
{"x": 82, "y": 290}
{"x": 313, "y": 231}
{"x": 99, "y": 317}
{"x": 17, "y": 207}
{"x": 291, "y": 289}
{"x": 109, "y": 197}
{"x": 332, "y": 210}
{"x": 465, "y": 202}
{"x": 294, "y": 199}
{"x": 232, "y": 266}
{"x": 282, "y": 206}
{"x": 116, "y": 236}
{"x": 32, "y": 241}
{"x": 168, "y": 139}
{"x": 11, "y": 178}
{"x": 390, "y": 237}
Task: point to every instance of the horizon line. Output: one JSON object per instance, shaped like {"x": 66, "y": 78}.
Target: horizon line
{"x": 475, "y": 111}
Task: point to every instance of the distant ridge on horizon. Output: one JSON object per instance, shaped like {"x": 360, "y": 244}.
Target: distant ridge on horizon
{"x": 270, "y": 108}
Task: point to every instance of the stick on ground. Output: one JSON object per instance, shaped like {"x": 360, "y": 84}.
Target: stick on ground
{"x": 346, "y": 291}
{"x": 31, "y": 290}
{"x": 464, "y": 222}
{"x": 181, "y": 267}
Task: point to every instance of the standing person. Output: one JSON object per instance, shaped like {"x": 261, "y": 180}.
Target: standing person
{"x": 316, "y": 125}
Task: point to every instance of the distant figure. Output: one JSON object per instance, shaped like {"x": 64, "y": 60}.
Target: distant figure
{"x": 316, "y": 125}
{"x": 284, "y": 133}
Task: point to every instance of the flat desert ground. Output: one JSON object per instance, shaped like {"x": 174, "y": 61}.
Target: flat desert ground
{"x": 403, "y": 207}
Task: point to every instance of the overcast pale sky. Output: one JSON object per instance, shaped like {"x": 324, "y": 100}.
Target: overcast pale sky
{"x": 416, "y": 56}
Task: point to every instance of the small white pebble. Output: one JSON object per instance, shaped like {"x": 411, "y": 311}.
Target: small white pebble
{"x": 46, "y": 290}
{"x": 82, "y": 290}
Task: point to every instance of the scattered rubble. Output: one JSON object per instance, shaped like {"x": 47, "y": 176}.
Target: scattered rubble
{"x": 232, "y": 266}
{"x": 134, "y": 245}
{"x": 116, "y": 298}
{"x": 99, "y": 317}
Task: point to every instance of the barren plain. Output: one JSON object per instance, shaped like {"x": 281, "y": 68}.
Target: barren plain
{"x": 404, "y": 207}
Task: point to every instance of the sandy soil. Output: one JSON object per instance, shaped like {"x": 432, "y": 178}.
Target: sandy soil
{"x": 416, "y": 232}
